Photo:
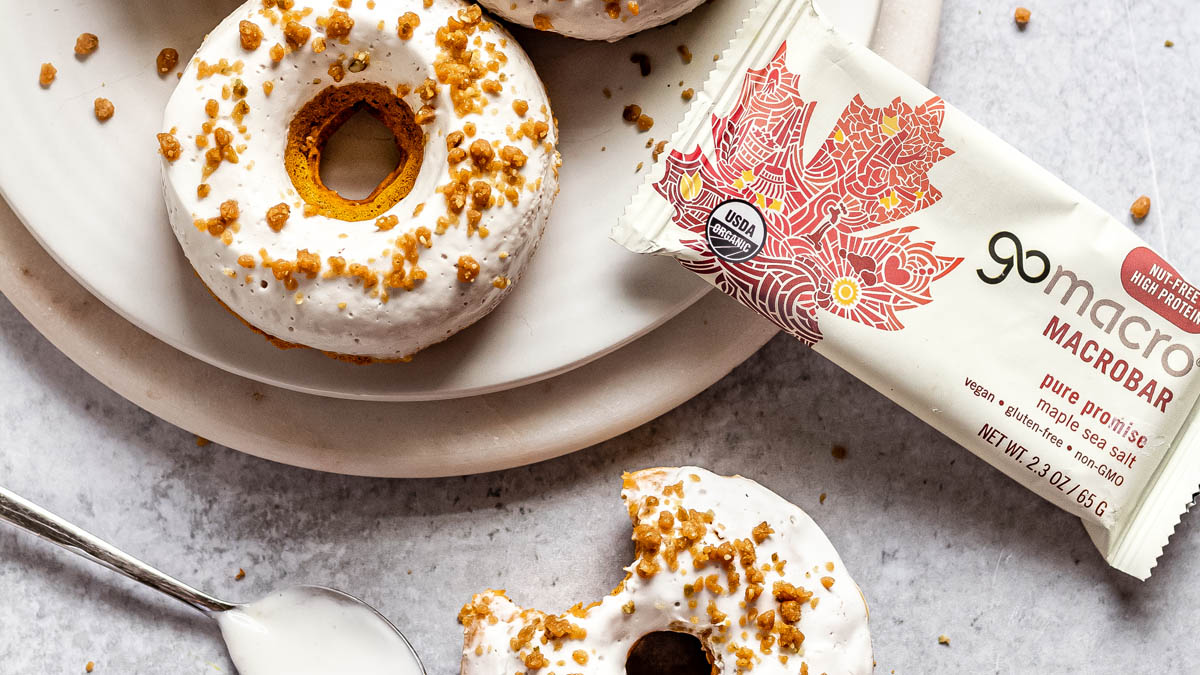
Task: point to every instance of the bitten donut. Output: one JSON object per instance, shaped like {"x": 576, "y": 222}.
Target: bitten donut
{"x": 721, "y": 558}
{"x": 438, "y": 243}
{"x": 591, "y": 19}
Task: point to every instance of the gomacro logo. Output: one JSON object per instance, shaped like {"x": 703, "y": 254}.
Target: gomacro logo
{"x": 735, "y": 231}
{"x": 1111, "y": 316}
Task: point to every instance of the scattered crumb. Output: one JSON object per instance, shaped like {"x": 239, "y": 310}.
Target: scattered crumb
{"x": 684, "y": 53}
{"x": 639, "y": 166}
{"x": 47, "y": 75}
{"x": 838, "y": 452}
{"x": 85, "y": 44}
{"x": 257, "y": 396}
{"x": 91, "y": 665}
{"x": 202, "y": 441}
{"x": 104, "y": 109}
{"x": 240, "y": 575}
{"x": 943, "y": 640}
{"x": 643, "y": 62}
{"x": 607, "y": 92}
{"x": 658, "y": 150}
{"x": 822, "y": 498}
{"x": 1169, "y": 43}
{"x": 1140, "y": 207}
{"x": 1021, "y": 16}
{"x": 167, "y": 59}
{"x": 631, "y": 112}
{"x": 687, "y": 94}
{"x": 644, "y": 122}
{"x": 716, "y": 57}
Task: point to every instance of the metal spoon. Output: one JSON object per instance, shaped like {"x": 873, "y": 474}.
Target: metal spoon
{"x": 33, "y": 518}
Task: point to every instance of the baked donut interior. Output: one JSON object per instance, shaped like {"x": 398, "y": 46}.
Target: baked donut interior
{"x": 669, "y": 653}
{"x": 319, "y": 118}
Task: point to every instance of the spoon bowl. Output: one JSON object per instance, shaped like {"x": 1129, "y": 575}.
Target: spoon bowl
{"x": 300, "y": 631}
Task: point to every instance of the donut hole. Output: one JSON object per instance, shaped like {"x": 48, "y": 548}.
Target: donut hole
{"x": 359, "y": 156}
{"x": 323, "y": 116}
{"x": 668, "y": 652}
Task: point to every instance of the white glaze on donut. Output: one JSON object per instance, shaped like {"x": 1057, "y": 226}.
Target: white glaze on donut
{"x": 697, "y": 594}
{"x": 336, "y": 312}
{"x": 591, "y": 19}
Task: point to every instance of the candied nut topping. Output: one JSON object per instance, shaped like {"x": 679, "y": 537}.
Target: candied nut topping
{"x": 644, "y": 122}
{"x": 520, "y": 106}
{"x": 339, "y": 25}
{"x": 277, "y": 52}
{"x": 631, "y": 113}
{"x": 166, "y": 60}
{"x": 104, "y": 109}
{"x": 296, "y": 34}
{"x": 169, "y": 147}
{"x": 250, "y": 34}
{"x": 229, "y": 210}
{"x": 1140, "y": 208}
{"x": 47, "y": 75}
{"x": 277, "y": 216}
{"x": 1021, "y": 17}
{"x": 406, "y": 24}
{"x": 542, "y": 22}
{"x": 481, "y": 152}
{"x": 468, "y": 269}
{"x": 761, "y": 532}
{"x": 85, "y": 44}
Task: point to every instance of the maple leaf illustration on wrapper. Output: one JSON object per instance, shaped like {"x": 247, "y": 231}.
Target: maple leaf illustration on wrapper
{"x": 827, "y": 243}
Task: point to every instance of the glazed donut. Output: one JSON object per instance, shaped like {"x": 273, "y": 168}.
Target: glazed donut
{"x": 721, "y": 558}
{"x": 591, "y": 19}
{"x": 438, "y": 243}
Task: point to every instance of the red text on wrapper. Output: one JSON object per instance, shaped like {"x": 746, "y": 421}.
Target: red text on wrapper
{"x": 1154, "y": 283}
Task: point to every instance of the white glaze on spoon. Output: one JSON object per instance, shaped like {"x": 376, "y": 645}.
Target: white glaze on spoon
{"x": 311, "y": 630}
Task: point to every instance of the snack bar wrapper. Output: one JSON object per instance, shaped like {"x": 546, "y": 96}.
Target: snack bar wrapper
{"x": 828, "y": 191}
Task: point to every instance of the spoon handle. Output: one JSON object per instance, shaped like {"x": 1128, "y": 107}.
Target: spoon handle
{"x": 35, "y": 519}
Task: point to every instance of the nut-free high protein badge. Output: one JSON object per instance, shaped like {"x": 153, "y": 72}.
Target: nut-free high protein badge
{"x": 829, "y": 192}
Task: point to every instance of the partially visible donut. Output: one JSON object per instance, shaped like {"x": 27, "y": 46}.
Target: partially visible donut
{"x": 439, "y": 242}
{"x": 720, "y": 558}
{"x": 591, "y": 19}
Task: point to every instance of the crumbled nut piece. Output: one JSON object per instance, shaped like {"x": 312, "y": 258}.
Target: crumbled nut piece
{"x": 520, "y": 106}
{"x": 687, "y": 94}
{"x": 580, "y": 657}
{"x": 229, "y": 210}
{"x": 838, "y": 452}
{"x": 296, "y": 34}
{"x": 613, "y": 9}
{"x": 481, "y": 152}
{"x": 277, "y": 216}
{"x": 684, "y": 53}
{"x": 166, "y": 60}
{"x": 535, "y": 660}
{"x": 454, "y": 139}
{"x": 339, "y": 25}
{"x": 512, "y": 156}
{"x": 658, "y": 150}
{"x": 223, "y": 137}
{"x": 1168, "y": 43}
{"x": 250, "y": 34}
{"x": 644, "y": 122}
{"x": 277, "y": 52}
{"x": 944, "y": 640}
{"x": 85, "y": 44}
{"x": 337, "y": 71}
{"x": 47, "y": 75}
{"x": 104, "y": 109}
{"x": 631, "y": 112}
{"x": 89, "y": 667}
{"x": 1140, "y": 208}
{"x": 822, "y": 498}
{"x": 246, "y": 260}
{"x": 468, "y": 269}
{"x": 212, "y": 108}
{"x": 385, "y": 223}
{"x": 406, "y": 25}
{"x": 241, "y": 574}
{"x": 643, "y": 62}
{"x": 761, "y": 532}
{"x": 1021, "y": 16}
{"x": 542, "y": 22}
{"x": 202, "y": 190}
{"x": 169, "y": 147}
{"x": 360, "y": 62}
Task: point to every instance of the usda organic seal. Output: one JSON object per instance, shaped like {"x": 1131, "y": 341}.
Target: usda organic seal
{"x": 735, "y": 231}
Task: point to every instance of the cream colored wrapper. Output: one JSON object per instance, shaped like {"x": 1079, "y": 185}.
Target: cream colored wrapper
{"x": 831, "y": 193}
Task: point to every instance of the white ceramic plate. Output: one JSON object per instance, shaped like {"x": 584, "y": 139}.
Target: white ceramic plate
{"x": 89, "y": 192}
